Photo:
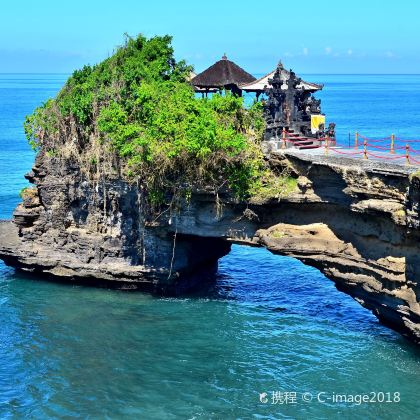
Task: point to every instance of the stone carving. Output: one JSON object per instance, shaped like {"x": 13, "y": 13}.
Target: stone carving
{"x": 330, "y": 130}
{"x": 275, "y": 111}
{"x": 313, "y": 105}
{"x": 290, "y": 106}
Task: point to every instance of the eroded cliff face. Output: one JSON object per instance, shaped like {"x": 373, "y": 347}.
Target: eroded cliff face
{"x": 94, "y": 230}
{"x": 357, "y": 222}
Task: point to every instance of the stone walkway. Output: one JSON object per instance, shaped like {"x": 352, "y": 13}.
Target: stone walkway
{"x": 379, "y": 164}
{"x": 346, "y": 153}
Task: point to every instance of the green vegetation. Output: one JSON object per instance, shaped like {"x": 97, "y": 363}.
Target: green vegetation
{"x": 400, "y": 213}
{"x": 51, "y": 153}
{"x": 22, "y": 192}
{"x": 28, "y": 193}
{"x": 136, "y": 113}
{"x": 270, "y": 185}
{"x": 277, "y": 234}
{"x": 415, "y": 175}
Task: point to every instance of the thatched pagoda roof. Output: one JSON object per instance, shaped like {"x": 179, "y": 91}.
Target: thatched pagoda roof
{"x": 222, "y": 73}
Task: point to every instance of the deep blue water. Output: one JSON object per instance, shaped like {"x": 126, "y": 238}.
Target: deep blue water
{"x": 268, "y": 324}
{"x": 374, "y": 105}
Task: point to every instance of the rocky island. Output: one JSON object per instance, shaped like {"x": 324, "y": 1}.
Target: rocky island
{"x": 138, "y": 183}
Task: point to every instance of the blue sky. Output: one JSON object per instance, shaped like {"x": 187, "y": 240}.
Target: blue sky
{"x": 310, "y": 36}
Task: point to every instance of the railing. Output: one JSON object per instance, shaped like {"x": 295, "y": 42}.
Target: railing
{"x": 390, "y": 148}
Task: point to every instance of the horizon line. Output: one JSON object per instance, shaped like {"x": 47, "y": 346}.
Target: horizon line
{"x": 324, "y": 74}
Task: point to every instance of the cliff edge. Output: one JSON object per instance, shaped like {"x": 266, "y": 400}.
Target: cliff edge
{"x": 357, "y": 222}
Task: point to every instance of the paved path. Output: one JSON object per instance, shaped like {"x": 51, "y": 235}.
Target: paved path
{"x": 346, "y": 153}
{"x": 375, "y": 164}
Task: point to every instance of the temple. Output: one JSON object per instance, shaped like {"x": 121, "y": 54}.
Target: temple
{"x": 259, "y": 86}
{"x": 293, "y": 115}
{"x": 224, "y": 74}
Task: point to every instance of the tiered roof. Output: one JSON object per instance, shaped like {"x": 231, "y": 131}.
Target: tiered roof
{"x": 260, "y": 84}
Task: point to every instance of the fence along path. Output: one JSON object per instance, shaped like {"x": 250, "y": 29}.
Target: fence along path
{"x": 390, "y": 148}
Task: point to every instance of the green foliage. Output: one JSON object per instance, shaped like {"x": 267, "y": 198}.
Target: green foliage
{"x": 277, "y": 234}
{"x": 52, "y": 153}
{"x": 27, "y": 192}
{"x": 415, "y": 175}
{"x": 255, "y": 119}
{"x": 22, "y": 192}
{"x": 43, "y": 123}
{"x": 139, "y": 60}
{"x": 139, "y": 104}
{"x": 272, "y": 186}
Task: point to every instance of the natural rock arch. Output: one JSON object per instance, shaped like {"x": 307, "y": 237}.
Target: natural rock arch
{"x": 357, "y": 222}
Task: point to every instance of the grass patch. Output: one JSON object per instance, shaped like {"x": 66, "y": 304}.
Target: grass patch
{"x": 415, "y": 175}
{"x": 274, "y": 186}
{"x": 277, "y": 234}
{"x": 28, "y": 193}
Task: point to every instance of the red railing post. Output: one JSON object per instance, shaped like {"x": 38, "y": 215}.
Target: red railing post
{"x": 326, "y": 145}
{"x": 392, "y": 143}
{"x": 283, "y": 145}
{"x": 365, "y": 156}
{"x": 407, "y": 154}
{"x": 356, "y": 141}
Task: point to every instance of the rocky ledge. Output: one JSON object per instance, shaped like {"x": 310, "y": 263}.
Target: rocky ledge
{"x": 357, "y": 222}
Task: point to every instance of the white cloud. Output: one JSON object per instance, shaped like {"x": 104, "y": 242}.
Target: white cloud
{"x": 305, "y": 51}
{"x": 389, "y": 54}
{"x": 327, "y": 50}
{"x": 349, "y": 51}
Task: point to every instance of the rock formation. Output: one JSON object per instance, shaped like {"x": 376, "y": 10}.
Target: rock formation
{"x": 357, "y": 222}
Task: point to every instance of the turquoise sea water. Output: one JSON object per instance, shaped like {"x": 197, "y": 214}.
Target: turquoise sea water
{"x": 268, "y": 324}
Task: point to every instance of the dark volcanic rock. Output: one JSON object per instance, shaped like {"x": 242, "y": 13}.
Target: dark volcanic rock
{"x": 357, "y": 222}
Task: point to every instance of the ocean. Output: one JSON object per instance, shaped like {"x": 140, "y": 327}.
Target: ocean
{"x": 271, "y": 338}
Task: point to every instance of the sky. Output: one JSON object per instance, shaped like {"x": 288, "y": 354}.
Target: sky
{"x": 48, "y": 36}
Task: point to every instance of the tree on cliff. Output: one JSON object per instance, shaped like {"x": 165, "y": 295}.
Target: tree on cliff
{"x": 135, "y": 115}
